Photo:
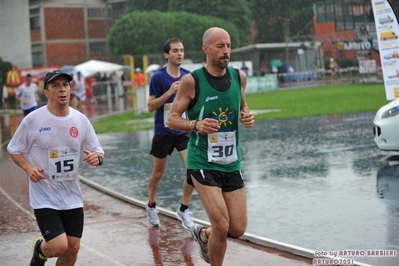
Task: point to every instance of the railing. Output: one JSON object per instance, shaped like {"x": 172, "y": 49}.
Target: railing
{"x": 111, "y": 96}
{"x": 120, "y": 96}
{"x": 321, "y": 77}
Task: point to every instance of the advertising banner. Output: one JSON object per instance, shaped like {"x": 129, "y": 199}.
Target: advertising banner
{"x": 16, "y": 77}
{"x": 387, "y": 29}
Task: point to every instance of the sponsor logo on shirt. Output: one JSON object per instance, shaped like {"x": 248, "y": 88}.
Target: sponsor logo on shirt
{"x": 53, "y": 154}
{"x": 44, "y": 129}
{"x": 211, "y": 98}
{"x": 74, "y": 132}
{"x": 225, "y": 117}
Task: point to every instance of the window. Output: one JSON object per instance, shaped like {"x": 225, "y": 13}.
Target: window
{"x": 37, "y": 47}
{"x": 37, "y": 59}
{"x": 97, "y": 47}
{"x": 37, "y": 55}
{"x": 34, "y": 19}
{"x": 117, "y": 10}
{"x": 96, "y": 13}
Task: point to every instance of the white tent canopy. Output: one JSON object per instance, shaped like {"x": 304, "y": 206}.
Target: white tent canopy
{"x": 94, "y": 66}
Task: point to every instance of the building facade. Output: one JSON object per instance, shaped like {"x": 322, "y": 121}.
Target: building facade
{"x": 70, "y": 32}
{"x": 347, "y": 28}
{"x": 14, "y": 33}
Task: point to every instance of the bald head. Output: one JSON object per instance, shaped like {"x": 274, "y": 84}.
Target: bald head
{"x": 212, "y": 32}
{"x": 216, "y": 45}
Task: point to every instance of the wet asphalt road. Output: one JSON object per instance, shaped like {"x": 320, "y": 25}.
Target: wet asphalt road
{"x": 116, "y": 232}
{"x": 311, "y": 182}
{"x": 319, "y": 183}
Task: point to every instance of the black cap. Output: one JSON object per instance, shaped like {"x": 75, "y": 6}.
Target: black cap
{"x": 55, "y": 73}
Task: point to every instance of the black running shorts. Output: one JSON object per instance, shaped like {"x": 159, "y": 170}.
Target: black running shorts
{"x": 163, "y": 145}
{"x": 53, "y": 223}
{"x": 227, "y": 181}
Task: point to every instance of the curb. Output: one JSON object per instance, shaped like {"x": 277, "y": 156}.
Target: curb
{"x": 258, "y": 240}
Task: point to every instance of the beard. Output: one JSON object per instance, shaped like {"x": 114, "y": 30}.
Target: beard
{"x": 223, "y": 63}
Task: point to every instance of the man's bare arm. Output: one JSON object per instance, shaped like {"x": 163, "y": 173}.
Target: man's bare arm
{"x": 185, "y": 95}
{"x": 247, "y": 118}
{"x": 154, "y": 103}
{"x": 34, "y": 173}
{"x": 182, "y": 101}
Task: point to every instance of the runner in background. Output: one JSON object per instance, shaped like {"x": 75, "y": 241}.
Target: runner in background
{"x": 27, "y": 95}
{"x": 79, "y": 90}
{"x": 163, "y": 87}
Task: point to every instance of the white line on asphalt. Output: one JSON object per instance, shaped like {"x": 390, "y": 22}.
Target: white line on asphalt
{"x": 16, "y": 203}
{"x": 31, "y": 215}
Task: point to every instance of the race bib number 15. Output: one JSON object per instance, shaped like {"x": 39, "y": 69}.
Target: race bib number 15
{"x": 63, "y": 163}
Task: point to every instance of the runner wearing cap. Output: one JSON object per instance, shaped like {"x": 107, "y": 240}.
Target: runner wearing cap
{"x": 54, "y": 139}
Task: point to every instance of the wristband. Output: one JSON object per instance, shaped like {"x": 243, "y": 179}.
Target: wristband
{"x": 191, "y": 125}
{"x": 195, "y": 126}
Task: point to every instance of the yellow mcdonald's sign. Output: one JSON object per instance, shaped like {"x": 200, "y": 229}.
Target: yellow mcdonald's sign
{"x": 13, "y": 78}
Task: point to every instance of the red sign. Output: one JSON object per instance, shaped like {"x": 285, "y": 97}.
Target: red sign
{"x": 16, "y": 77}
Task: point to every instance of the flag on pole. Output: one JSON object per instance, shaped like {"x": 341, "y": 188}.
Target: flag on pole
{"x": 387, "y": 29}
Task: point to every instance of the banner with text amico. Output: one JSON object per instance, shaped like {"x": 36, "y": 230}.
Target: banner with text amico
{"x": 387, "y": 29}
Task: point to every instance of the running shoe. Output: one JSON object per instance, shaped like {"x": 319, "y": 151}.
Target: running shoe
{"x": 196, "y": 233}
{"x": 185, "y": 218}
{"x": 152, "y": 215}
{"x": 37, "y": 259}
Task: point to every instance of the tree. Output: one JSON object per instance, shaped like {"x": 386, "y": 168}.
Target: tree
{"x": 141, "y": 33}
{"x": 270, "y": 19}
{"x": 5, "y": 66}
{"x": 147, "y": 5}
{"x": 275, "y": 19}
{"x": 236, "y": 11}
{"x": 301, "y": 19}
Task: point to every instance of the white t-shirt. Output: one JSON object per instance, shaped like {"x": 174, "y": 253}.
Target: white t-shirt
{"x": 79, "y": 88}
{"x": 55, "y": 144}
{"x": 27, "y": 93}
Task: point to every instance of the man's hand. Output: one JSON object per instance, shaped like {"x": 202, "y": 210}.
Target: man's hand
{"x": 247, "y": 119}
{"x": 175, "y": 86}
{"x": 207, "y": 126}
{"x": 35, "y": 173}
{"x": 91, "y": 158}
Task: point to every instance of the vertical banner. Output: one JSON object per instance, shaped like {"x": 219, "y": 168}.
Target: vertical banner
{"x": 387, "y": 28}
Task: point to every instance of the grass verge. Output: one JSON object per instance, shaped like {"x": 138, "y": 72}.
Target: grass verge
{"x": 294, "y": 103}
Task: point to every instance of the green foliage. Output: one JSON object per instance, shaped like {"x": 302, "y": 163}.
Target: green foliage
{"x": 12, "y": 102}
{"x": 299, "y": 19}
{"x": 147, "y": 5}
{"x": 140, "y": 33}
{"x": 4, "y": 67}
{"x": 236, "y": 11}
{"x": 275, "y": 19}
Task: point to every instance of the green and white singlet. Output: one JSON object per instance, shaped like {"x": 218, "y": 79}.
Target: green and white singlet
{"x": 219, "y": 151}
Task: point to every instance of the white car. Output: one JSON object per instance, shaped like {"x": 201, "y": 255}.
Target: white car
{"x": 386, "y": 127}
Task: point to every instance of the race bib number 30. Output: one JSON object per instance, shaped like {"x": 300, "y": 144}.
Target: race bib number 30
{"x": 222, "y": 148}
{"x": 63, "y": 163}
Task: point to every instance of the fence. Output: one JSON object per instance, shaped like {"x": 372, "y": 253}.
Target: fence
{"x": 120, "y": 96}
{"x": 111, "y": 96}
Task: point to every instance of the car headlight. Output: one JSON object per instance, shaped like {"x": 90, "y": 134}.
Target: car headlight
{"x": 391, "y": 112}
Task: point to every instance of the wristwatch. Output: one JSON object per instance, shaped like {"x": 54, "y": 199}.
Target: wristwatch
{"x": 100, "y": 159}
